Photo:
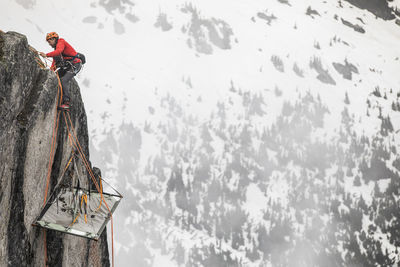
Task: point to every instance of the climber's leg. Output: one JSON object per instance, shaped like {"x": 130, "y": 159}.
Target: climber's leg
{"x": 65, "y": 85}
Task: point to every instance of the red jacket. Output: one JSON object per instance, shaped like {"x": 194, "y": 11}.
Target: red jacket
{"x": 65, "y": 49}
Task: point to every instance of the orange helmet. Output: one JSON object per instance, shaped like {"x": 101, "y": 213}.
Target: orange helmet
{"x": 51, "y": 35}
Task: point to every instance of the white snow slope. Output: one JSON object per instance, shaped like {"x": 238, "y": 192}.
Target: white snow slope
{"x": 159, "y": 66}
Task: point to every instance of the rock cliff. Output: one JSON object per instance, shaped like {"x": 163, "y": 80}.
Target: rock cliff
{"x": 28, "y": 97}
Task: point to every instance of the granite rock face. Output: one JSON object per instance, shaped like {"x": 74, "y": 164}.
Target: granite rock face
{"x": 28, "y": 101}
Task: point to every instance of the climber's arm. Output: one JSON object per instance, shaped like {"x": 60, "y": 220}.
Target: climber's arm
{"x": 59, "y": 49}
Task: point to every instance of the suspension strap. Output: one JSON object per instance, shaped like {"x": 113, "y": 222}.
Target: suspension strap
{"x": 78, "y": 147}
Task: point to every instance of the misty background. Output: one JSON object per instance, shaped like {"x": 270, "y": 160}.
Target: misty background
{"x": 241, "y": 133}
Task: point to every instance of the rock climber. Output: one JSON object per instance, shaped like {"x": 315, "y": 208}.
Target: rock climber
{"x": 66, "y": 62}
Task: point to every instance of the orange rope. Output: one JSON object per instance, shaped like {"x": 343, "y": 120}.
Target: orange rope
{"x": 53, "y": 138}
{"x": 112, "y": 239}
{"x": 79, "y": 214}
{"x": 79, "y": 148}
{"x": 101, "y": 190}
{"x": 83, "y": 200}
{"x": 37, "y": 58}
{"x": 40, "y": 63}
{"x": 66, "y": 167}
{"x": 53, "y": 144}
{"x": 52, "y": 152}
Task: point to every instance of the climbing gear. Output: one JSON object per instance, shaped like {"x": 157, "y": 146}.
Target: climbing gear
{"x": 51, "y": 35}
{"x": 67, "y": 64}
{"x": 41, "y": 64}
{"x": 78, "y": 147}
{"x": 76, "y": 68}
{"x": 83, "y": 200}
{"x": 62, "y": 63}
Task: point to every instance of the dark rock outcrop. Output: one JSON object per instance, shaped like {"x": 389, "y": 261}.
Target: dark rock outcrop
{"x": 379, "y": 8}
{"x": 28, "y": 96}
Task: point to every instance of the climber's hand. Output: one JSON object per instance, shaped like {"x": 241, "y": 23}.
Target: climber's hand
{"x": 42, "y": 54}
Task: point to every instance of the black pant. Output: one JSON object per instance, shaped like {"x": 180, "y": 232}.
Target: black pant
{"x": 66, "y": 76}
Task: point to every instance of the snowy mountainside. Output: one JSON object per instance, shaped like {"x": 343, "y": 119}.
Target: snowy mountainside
{"x": 241, "y": 134}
